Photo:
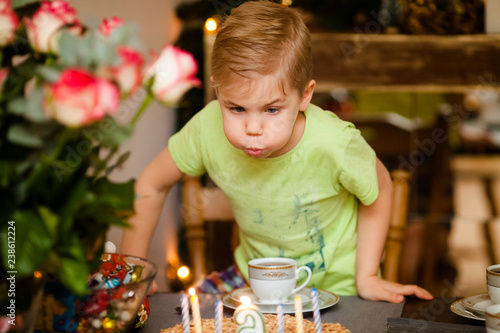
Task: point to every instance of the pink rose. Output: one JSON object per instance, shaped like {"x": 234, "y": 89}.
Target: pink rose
{"x": 128, "y": 74}
{"x": 8, "y": 23}
{"x": 107, "y": 27}
{"x": 77, "y": 98}
{"x": 4, "y": 72}
{"x": 174, "y": 74}
{"x": 44, "y": 27}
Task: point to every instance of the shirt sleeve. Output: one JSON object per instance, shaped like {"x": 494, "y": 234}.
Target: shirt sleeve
{"x": 359, "y": 172}
{"x": 186, "y": 147}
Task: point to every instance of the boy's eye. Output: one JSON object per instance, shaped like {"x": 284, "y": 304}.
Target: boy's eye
{"x": 272, "y": 110}
{"x": 236, "y": 109}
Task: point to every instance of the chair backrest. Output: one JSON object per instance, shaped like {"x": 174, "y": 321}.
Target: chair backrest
{"x": 203, "y": 204}
{"x": 399, "y": 216}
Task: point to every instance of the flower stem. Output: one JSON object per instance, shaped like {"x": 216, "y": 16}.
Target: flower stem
{"x": 144, "y": 105}
{"x": 66, "y": 134}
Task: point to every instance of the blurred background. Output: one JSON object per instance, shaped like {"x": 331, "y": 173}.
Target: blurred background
{"x": 418, "y": 77}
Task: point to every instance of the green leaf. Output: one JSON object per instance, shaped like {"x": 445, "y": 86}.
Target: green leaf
{"x": 20, "y": 134}
{"x": 30, "y": 109}
{"x": 74, "y": 270}
{"x": 32, "y": 244}
{"x": 17, "y": 106}
{"x": 104, "y": 53}
{"x": 50, "y": 219}
{"x": 73, "y": 275}
{"x": 71, "y": 202}
{"x": 114, "y": 195}
{"x": 121, "y": 159}
{"x": 68, "y": 50}
{"x": 50, "y": 74}
{"x": 118, "y": 135}
{"x": 21, "y": 3}
{"x": 126, "y": 35}
{"x": 84, "y": 51}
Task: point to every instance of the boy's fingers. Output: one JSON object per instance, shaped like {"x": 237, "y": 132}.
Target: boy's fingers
{"x": 153, "y": 288}
{"x": 415, "y": 290}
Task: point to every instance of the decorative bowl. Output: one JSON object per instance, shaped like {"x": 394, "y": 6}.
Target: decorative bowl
{"x": 118, "y": 289}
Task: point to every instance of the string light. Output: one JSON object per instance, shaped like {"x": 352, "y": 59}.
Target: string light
{"x": 183, "y": 272}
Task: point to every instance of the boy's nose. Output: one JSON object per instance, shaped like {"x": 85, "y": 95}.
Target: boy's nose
{"x": 254, "y": 126}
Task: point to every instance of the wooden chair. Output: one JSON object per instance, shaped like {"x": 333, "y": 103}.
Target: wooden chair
{"x": 202, "y": 204}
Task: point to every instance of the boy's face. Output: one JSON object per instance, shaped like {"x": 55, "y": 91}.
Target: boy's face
{"x": 260, "y": 119}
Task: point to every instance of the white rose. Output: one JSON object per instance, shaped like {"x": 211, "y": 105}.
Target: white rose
{"x": 8, "y": 23}
{"x": 43, "y": 27}
{"x": 174, "y": 72}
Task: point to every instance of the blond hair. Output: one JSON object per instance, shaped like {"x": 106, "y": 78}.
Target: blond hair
{"x": 263, "y": 38}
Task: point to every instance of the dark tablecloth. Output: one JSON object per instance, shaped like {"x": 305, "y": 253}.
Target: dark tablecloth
{"x": 354, "y": 313}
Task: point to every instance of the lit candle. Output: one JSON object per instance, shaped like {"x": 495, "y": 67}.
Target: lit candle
{"x": 315, "y": 304}
{"x": 195, "y": 305}
{"x": 248, "y": 317}
{"x": 185, "y": 313}
{"x": 218, "y": 316}
{"x": 279, "y": 314}
{"x": 298, "y": 315}
{"x": 209, "y": 34}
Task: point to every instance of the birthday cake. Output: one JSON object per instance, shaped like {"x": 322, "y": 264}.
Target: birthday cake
{"x": 229, "y": 326}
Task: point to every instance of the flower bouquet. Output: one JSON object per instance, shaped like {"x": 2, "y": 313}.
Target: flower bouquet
{"x": 62, "y": 83}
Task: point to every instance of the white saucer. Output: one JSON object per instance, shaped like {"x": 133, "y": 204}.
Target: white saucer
{"x": 305, "y": 296}
{"x": 326, "y": 299}
{"x": 478, "y": 303}
{"x": 459, "y": 308}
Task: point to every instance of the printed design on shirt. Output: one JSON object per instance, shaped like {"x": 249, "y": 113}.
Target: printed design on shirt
{"x": 259, "y": 219}
{"x": 306, "y": 213}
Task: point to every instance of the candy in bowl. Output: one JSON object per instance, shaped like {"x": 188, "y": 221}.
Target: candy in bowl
{"x": 117, "y": 292}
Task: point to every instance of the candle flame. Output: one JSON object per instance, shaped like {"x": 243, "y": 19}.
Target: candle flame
{"x": 245, "y": 300}
{"x": 211, "y": 24}
{"x": 192, "y": 292}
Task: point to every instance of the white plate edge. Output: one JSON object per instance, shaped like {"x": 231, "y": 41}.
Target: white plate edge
{"x": 454, "y": 308}
{"x": 330, "y": 297}
{"x": 304, "y": 301}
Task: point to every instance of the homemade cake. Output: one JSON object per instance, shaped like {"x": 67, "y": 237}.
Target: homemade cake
{"x": 228, "y": 326}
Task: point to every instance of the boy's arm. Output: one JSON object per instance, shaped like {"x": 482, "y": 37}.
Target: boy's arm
{"x": 151, "y": 189}
{"x": 373, "y": 224}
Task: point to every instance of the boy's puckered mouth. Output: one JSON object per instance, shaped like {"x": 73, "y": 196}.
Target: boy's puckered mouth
{"x": 254, "y": 152}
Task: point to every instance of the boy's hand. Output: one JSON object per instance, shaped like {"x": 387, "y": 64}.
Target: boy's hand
{"x": 152, "y": 288}
{"x": 376, "y": 289}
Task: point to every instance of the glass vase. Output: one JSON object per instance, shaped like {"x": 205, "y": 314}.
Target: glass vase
{"x": 20, "y": 300}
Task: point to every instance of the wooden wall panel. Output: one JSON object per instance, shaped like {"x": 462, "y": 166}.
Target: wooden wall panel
{"x": 406, "y": 63}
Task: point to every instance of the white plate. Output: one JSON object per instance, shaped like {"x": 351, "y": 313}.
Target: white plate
{"x": 459, "y": 308}
{"x": 305, "y": 296}
{"x": 326, "y": 299}
{"x": 478, "y": 302}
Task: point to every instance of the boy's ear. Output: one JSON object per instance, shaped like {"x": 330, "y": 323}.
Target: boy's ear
{"x": 307, "y": 95}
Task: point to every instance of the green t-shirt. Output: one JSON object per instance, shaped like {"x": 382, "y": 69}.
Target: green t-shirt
{"x": 300, "y": 205}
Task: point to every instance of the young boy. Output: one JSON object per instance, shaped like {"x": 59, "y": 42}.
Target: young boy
{"x": 303, "y": 184}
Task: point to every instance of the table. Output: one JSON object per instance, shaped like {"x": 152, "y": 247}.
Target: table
{"x": 356, "y": 314}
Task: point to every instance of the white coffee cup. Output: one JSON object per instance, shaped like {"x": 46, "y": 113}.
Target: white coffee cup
{"x": 493, "y": 282}
{"x": 493, "y": 319}
{"x": 274, "y": 279}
